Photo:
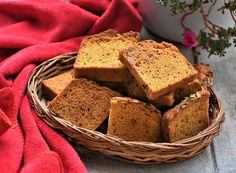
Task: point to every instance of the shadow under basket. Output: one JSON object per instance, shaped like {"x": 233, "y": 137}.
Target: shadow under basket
{"x": 135, "y": 152}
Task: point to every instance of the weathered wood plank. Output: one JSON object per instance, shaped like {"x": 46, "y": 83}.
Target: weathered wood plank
{"x": 225, "y": 87}
{"x": 97, "y": 163}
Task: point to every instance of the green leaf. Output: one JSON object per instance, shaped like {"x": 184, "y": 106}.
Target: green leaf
{"x": 234, "y": 41}
{"x": 195, "y": 5}
{"x": 177, "y": 6}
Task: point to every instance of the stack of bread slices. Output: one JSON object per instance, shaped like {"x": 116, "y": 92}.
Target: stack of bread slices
{"x": 132, "y": 89}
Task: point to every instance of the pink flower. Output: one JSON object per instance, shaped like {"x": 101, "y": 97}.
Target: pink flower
{"x": 190, "y": 39}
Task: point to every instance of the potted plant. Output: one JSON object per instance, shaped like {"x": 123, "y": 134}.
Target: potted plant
{"x": 210, "y": 24}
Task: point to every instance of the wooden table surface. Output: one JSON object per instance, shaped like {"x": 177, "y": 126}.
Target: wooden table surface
{"x": 219, "y": 157}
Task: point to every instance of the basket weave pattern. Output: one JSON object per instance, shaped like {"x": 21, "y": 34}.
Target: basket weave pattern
{"x": 135, "y": 152}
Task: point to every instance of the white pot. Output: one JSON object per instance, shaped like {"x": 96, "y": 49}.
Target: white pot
{"x": 160, "y": 21}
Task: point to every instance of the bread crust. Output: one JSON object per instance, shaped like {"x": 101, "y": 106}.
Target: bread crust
{"x": 104, "y": 74}
{"x": 187, "y": 89}
{"x": 205, "y": 75}
{"x": 203, "y": 80}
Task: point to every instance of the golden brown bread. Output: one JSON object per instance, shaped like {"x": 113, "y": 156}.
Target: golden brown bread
{"x": 162, "y": 75}
{"x": 165, "y": 100}
{"x": 186, "y": 119}
{"x": 203, "y": 80}
{"x": 158, "y": 67}
{"x": 205, "y": 75}
{"x": 135, "y": 91}
{"x": 133, "y": 120}
{"x": 53, "y": 86}
{"x": 98, "y": 58}
{"x": 187, "y": 89}
{"x": 116, "y": 86}
{"x": 84, "y": 103}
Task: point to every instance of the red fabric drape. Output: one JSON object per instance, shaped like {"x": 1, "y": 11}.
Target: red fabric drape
{"x": 32, "y": 31}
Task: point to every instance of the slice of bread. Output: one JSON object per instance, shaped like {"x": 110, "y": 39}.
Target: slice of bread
{"x": 165, "y": 100}
{"x": 187, "y": 90}
{"x": 135, "y": 91}
{"x": 205, "y": 75}
{"x": 133, "y": 120}
{"x": 84, "y": 103}
{"x": 187, "y": 118}
{"x": 158, "y": 67}
{"x": 203, "y": 80}
{"x": 53, "y": 86}
{"x": 98, "y": 57}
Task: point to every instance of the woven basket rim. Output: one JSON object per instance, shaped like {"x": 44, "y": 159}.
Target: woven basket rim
{"x": 44, "y": 112}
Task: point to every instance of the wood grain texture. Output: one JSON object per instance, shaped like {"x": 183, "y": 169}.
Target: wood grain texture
{"x": 97, "y": 163}
{"x": 220, "y": 157}
{"x": 225, "y": 87}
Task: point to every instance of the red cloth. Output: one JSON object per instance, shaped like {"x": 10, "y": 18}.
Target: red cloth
{"x": 32, "y": 31}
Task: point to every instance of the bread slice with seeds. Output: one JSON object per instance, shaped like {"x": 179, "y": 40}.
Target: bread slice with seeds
{"x": 186, "y": 119}
{"x": 53, "y": 86}
{"x": 158, "y": 67}
{"x": 98, "y": 57}
{"x": 133, "y": 120}
{"x": 84, "y": 103}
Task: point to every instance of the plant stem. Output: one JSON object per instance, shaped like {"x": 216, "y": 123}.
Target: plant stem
{"x": 211, "y": 7}
{"x": 206, "y": 22}
{"x": 183, "y": 18}
{"x": 194, "y": 55}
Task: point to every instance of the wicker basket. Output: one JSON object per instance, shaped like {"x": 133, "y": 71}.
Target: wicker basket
{"x": 136, "y": 152}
